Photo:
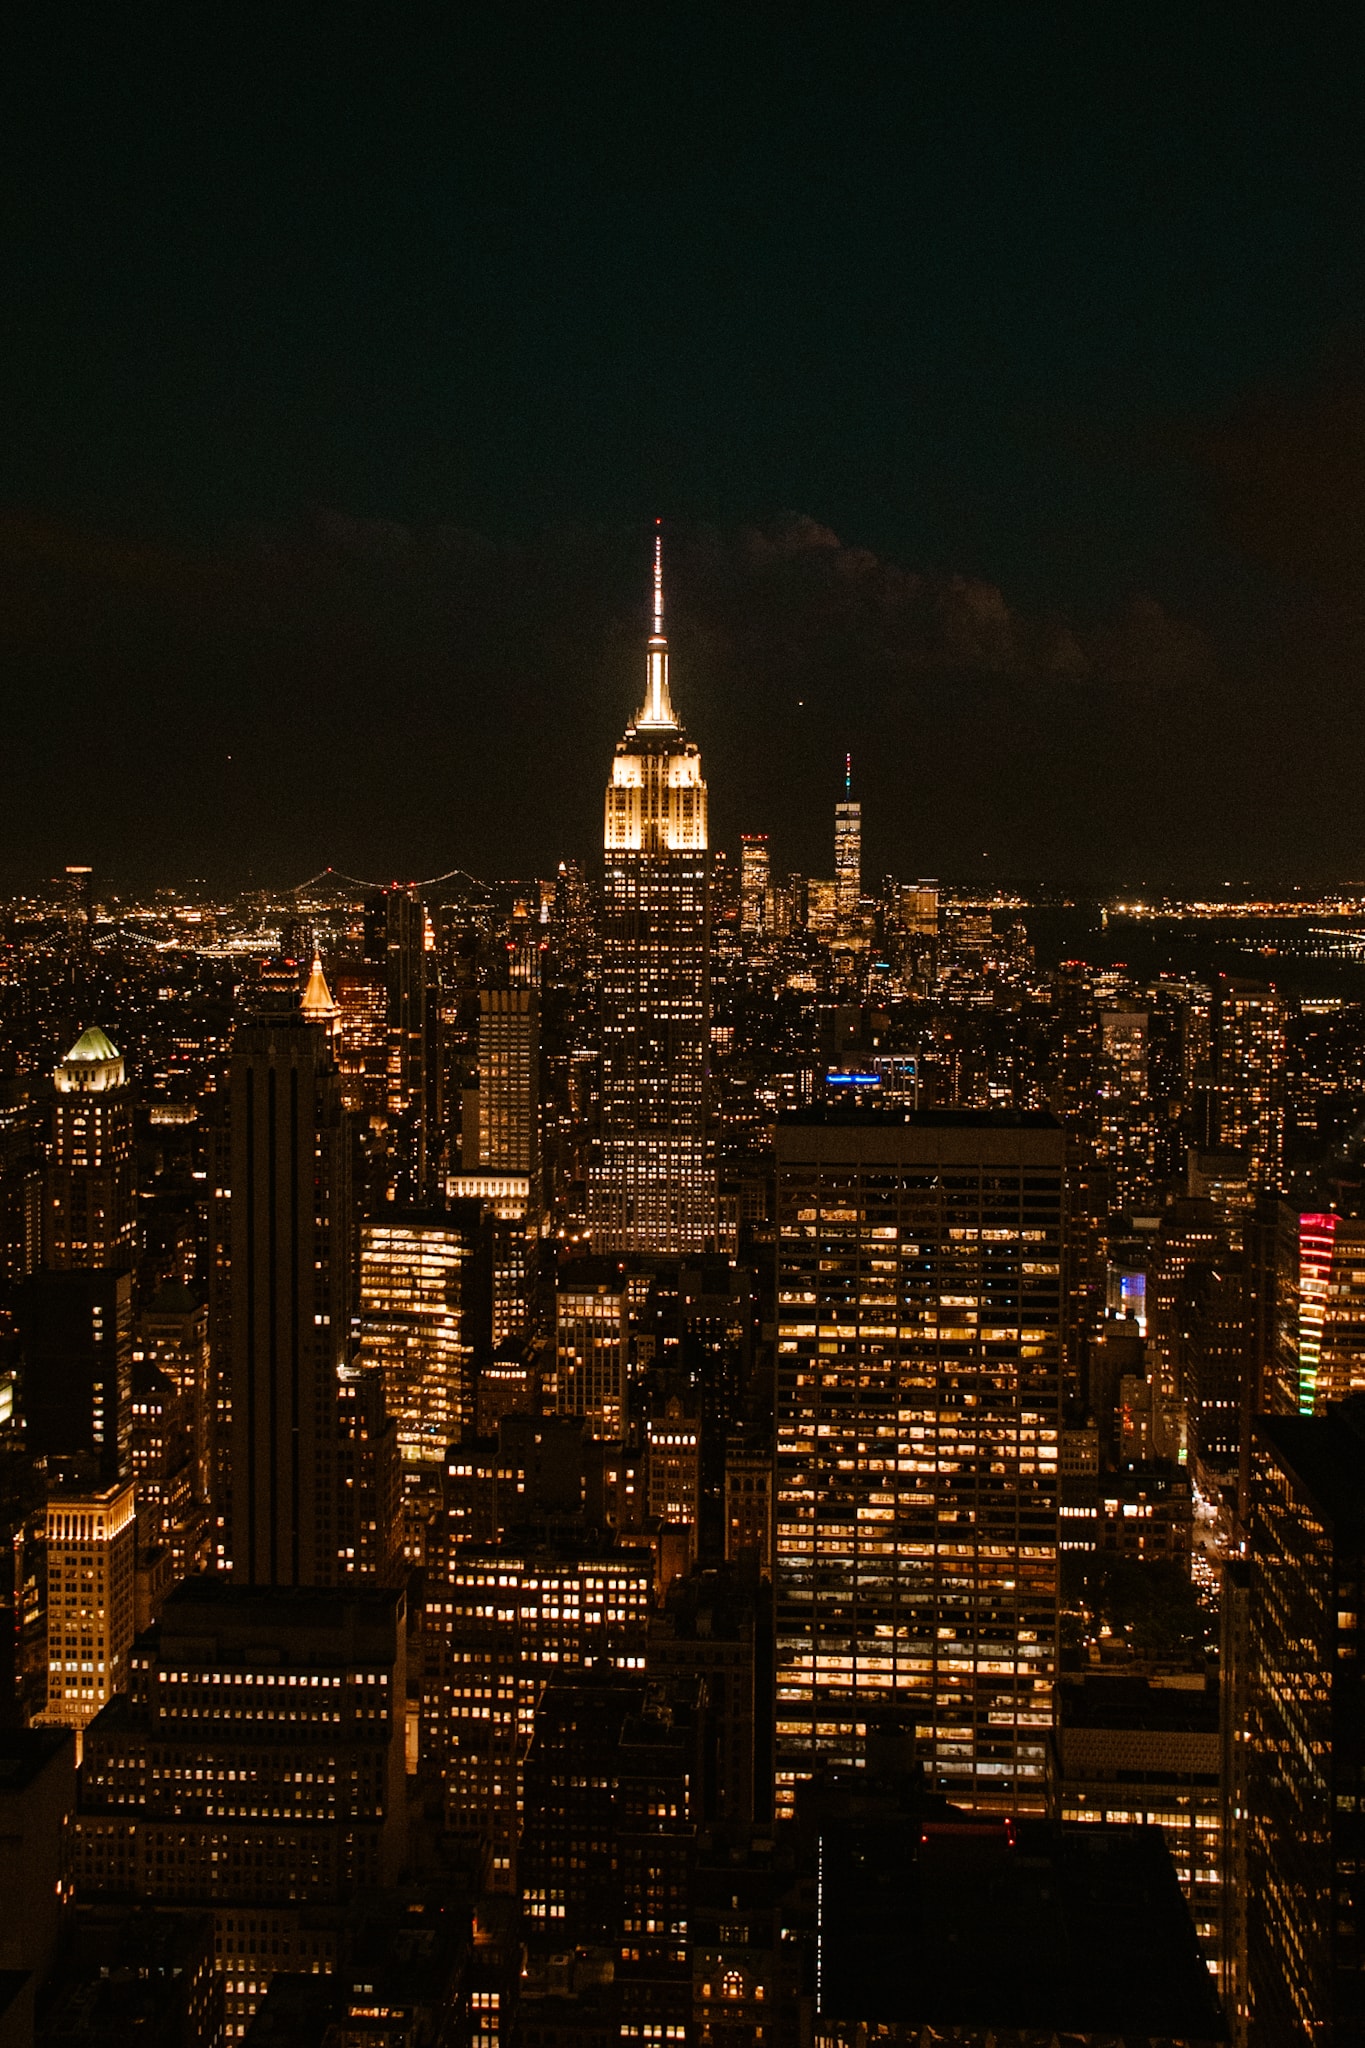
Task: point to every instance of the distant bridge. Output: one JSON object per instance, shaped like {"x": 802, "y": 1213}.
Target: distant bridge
{"x": 340, "y": 878}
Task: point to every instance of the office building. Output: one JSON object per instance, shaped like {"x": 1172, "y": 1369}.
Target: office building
{"x": 919, "y": 1364}
{"x": 509, "y": 1081}
{"x": 822, "y": 916}
{"x": 613, "y": 1805}
{"x": 754, "y": 885}
{"x": 1304, "y": 1728}
{"x": 170, "y": 1514}
{"x": 848, "y": 857}
{"x": 500, "y": 1623}
{"x": 396, "y": 941}
{"x": 1249, "y": 1078}
{"x": 510, "y": 1206}
{"x": 254, "y": 1766}
{"x": 89, "y": 1205}
{"x": 291, "y": 1300}
{"x": 592, "y": 1326}
{"x": 1328, "y": 1307}
{"x": 1215, "y": 1371}
{"x": 917, "y": 903}
{"x": 651, "y": 1184}
{"x": 423, "y": 1310}
{"x": 362, "y": 1037}
{"x": 673, "y": 1465}
{"x": 172, "y": 1336}
{"x": 133, "y": 1974}
{"x": 1134, "y": 1752}
{"x": 37, "y": 1799}
{"x": 708, "y": 1633}
{"x": 370, "y": 1501}
{"x": 76, "y": 1341}
{"x": 91, "y": 1559}
{"x": 748, "y": 1504}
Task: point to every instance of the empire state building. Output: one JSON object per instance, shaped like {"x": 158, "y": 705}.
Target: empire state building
{"x": 651, "y": 1187}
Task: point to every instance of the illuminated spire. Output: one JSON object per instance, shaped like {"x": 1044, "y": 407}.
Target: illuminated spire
{"x": 658, "y": 710}
{"x": 317, "y": 1005}
{"x": 848, "y": 775}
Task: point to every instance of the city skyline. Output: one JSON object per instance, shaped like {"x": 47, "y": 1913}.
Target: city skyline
{"x": 725, "y": 1409}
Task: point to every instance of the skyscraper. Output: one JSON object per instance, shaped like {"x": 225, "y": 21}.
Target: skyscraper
{"x": 91, "y": 1547}
{"x": 651, "y": 1187}
{"x": 753, "y": 885}
{"x": 509, "y": 1079}
{"x": 1330, "y": 1299}
{"x": 395, "y": 939}
{"x": 591, "y": 1346}
{"x": 254, "y": 1766}
{"x": 76, "y": 1337}
{"x": 423, "y": 1286}
{"x": 919, "y": 1364}
{"x": 89, "y": 1210}
{"x": 1249, "y": 1076}
{"x": 1304, "y": 1732}
{"x": 848, "y": 854}
{"x": 291, "y": 1300}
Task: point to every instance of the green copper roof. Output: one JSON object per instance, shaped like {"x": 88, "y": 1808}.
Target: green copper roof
{"x": 92, "y": 1045}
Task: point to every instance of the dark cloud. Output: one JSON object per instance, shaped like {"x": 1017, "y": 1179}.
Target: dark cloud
{"x": 397, "y": 699}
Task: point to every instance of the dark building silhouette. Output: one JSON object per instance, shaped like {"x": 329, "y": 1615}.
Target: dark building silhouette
{"x": 291, "y": 1300}
{"x": 76, "y": 1333}
{"x": 1305, "y": 1729}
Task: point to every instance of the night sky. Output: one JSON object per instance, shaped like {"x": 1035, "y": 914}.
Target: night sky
{"x": 999, "y": 372}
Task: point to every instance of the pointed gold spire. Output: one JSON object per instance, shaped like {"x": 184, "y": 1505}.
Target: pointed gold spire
{"x": 658, "y": 709}
{"x": 317, "y": 1005}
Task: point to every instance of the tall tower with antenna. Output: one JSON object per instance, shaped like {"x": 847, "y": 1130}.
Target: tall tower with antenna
{"x": 848, "y": 855}
{"x": 651, "y": 1185}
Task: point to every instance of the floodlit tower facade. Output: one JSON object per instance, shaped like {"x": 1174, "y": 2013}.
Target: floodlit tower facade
{"x": 848, "y": 853}
{"x": 91, "y": 1554}
{"x": 651, "y": 1187}
{"x": 89, "y": 1212}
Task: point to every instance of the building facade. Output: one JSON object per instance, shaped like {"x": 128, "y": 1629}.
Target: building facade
{"x": 255, "y": 1766}
{"x": 592, "y": 1326}
{"x": 918, "y": 1391}
{"x": 89, "y": 1212}
{"x": 754, "y": 886}
{"x": 291, "y": 1300}
{"x": 1304, "y": 1729}
{"x": 651, "y": 1185}
{"x": 509, "y": 1080}
{"x": 419, "y": 1276}
{"x": 848, "y": 857}
{"x": 91, "y": 1563}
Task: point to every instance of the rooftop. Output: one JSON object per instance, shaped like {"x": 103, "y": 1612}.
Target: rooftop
{"x": 1326, "y": 1453}
{"x": 92, "y": 1045}
{"x": 965, "y": 1923}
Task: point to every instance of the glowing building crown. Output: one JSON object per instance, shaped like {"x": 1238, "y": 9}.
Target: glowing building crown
{"x": 658, "y": 709}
